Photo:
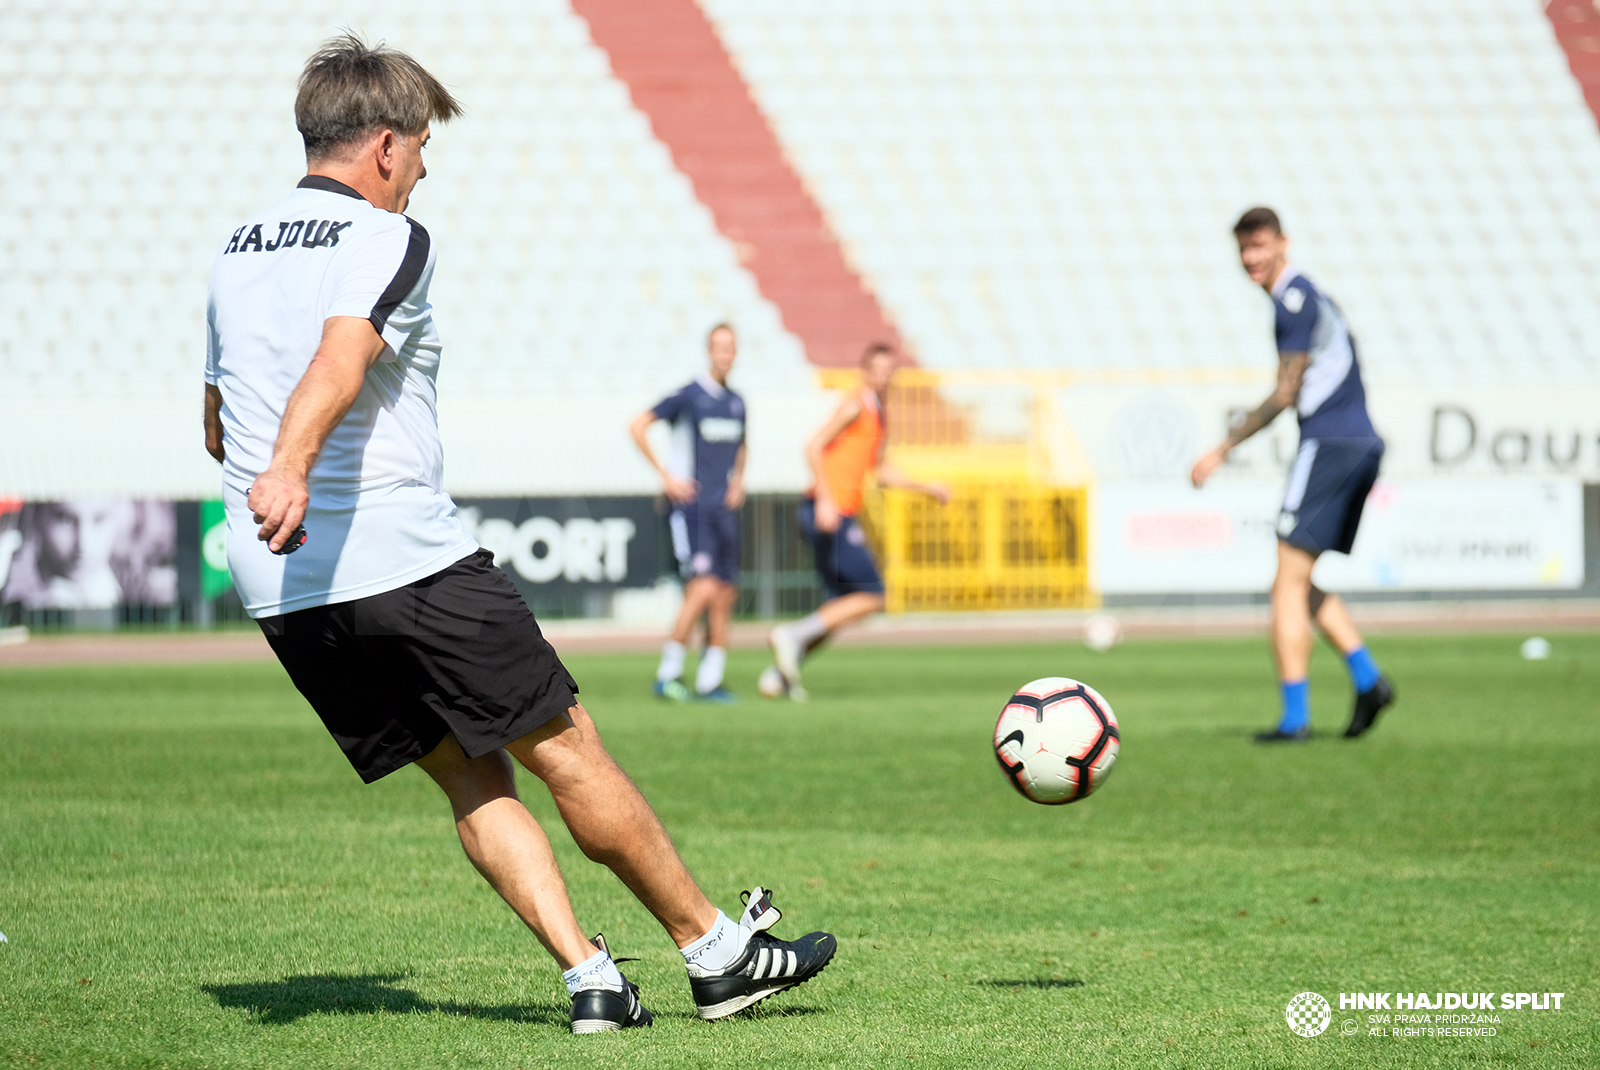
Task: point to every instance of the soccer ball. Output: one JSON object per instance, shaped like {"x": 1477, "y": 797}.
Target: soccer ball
{"x": 1102, "y": 632}
{"x": 1056, "y": 740}
{"x": 770, "y": 682}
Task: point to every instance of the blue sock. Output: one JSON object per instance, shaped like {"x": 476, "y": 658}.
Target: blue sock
{"x": 1296, "y": 706}
{"x": 1363, "y": 670}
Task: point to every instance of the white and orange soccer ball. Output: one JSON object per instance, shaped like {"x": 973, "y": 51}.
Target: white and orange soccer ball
{"x": 1056, "y": 740}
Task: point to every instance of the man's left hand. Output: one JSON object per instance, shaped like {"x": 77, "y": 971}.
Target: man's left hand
{"x": 734, "y": 499}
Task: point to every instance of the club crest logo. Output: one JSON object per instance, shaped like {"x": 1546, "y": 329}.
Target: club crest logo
{"x": 1308, "y": 1014}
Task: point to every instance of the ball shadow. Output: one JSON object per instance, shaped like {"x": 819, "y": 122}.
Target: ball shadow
{"x": 1018, "y": 985}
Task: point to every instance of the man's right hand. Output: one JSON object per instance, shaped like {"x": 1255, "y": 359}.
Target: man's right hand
{"x": 827, "y": 515}
{"x": 682, "y": 491}
{"x": 278, "y": 502}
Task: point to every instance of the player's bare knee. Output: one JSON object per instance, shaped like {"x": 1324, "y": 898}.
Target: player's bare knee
{"x": 474, "y": 782}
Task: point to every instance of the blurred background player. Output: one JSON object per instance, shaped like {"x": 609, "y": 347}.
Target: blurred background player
{"x": 704, "y": 478}
{"x": 1334, "y": 469}
{"x": 842, "y": 455}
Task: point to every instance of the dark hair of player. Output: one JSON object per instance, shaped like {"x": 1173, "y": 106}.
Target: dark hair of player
{"x": 1257, "y": 219}
{"x": 350, "y": 91}
{"x": 874, "y": 350}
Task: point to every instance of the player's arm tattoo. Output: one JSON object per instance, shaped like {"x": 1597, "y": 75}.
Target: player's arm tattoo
{"x": 1291, "y": 372}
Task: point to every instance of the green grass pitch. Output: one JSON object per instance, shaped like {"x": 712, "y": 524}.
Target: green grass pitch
{"x": 191, "y": 876}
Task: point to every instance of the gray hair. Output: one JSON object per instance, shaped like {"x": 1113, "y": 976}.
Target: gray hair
{"x": 349, "y": 92}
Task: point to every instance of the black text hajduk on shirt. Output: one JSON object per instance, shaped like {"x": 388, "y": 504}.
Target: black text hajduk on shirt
{"x": 304, "y": 233}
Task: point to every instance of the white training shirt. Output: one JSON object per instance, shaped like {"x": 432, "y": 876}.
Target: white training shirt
{"x": 378, "y": 517}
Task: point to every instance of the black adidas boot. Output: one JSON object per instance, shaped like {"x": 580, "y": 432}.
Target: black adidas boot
{"x": 767, "y": 966}
{"x": 606, "y": 1010}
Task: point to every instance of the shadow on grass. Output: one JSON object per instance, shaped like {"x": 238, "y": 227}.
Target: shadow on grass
{"x": 1034, "y": 982}
{"x": 293, "y": 998}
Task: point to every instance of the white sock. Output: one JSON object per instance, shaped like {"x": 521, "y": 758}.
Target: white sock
{"x": 718, "y": 948}
{"x": 671, "y": 666}
{"x": 597, "y": 971}
{"x": 808, "y": 630}
{"x": 709, "y": 675}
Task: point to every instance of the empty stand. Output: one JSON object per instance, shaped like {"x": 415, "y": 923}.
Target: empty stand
{"x": 1020, "y": 183}
{"x": 575, "y": 260}
{"x": 1050, "y": 184}
{"x": 681, "y": 77}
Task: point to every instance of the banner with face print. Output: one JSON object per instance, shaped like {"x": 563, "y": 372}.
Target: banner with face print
{"x": 88, "y": 554}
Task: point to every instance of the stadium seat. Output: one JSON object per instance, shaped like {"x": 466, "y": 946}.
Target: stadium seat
{"x": 1013, "y": 178}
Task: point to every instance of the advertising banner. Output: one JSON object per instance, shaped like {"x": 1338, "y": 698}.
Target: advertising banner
{"x": 88, "y": 554}
{"x": 215, "y": 579}
{"x": 1468, "y": 534}
{"x": 557, "y": 546}
{"x": 1134, "y": 432}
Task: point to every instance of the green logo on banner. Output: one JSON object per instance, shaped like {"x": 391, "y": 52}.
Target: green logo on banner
{"x": 214, "y": 577}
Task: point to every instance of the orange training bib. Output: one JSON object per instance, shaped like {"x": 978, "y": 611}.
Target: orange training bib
{"x": 848, "y": 459}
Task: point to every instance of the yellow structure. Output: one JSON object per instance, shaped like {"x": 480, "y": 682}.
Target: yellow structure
{"x": 1015, "y": 532}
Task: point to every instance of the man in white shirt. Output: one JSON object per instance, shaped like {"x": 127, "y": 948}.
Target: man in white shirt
{"x": 399, "y": 630}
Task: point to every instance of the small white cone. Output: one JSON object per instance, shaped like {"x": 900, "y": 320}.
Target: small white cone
{"x": 3, "y": 939}
{"x": 1536, "y": 649}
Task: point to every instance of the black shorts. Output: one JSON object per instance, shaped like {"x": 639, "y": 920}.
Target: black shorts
{"x": 1328, "y": 486}
{"x": 843, "y": 558}
{"x": 392, "y": 674}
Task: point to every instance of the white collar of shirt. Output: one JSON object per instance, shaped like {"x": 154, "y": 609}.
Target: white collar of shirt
{"x": 710, "y": 385}
{"x": 1285, "y": 277}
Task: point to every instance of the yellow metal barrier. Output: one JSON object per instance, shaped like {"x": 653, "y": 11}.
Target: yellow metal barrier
{"x": 1010, "y": 545}
{"x": 1015, "y": 533}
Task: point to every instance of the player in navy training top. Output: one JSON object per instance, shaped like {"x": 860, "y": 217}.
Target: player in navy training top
{"x": 704, "y": 478}
{"x": 1334, "y": 469}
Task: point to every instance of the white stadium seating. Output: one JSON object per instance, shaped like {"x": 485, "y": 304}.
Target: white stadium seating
{"x": 1022, "y": 183}
{"x": 577, "y": 273}
{"x": 1046, "y": 183}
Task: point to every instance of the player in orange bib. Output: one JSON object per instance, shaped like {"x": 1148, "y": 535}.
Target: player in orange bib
{"x": 847, "y": 450}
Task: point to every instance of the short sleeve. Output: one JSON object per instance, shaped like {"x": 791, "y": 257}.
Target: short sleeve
{"x": 213, "y": 343}
{"x": 670, "y": 407}
{"x": 1297, "y": 311}
{"x": 376, "y": 273}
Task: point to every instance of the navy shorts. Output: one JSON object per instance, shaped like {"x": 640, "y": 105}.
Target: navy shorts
{"x": 844, "y": 560}
{"x": 456, "y": 653}
{"x": 1328, "y": 486}
{"x": 705, "y": 539}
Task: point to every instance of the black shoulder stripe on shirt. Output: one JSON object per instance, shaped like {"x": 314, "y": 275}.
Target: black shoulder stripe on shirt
{"x": 405, "y": 279}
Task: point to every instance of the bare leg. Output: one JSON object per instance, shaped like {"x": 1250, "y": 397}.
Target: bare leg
{"x": 1291, "y": 613}
{"x": 1333, "y": 617}
{"x": 849, "y": 608}
{"x": 612, "y": 823}
{"x": 720, "y": 613}
{"x": 698, "y": 596}
{"x": 507, "y": 846}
